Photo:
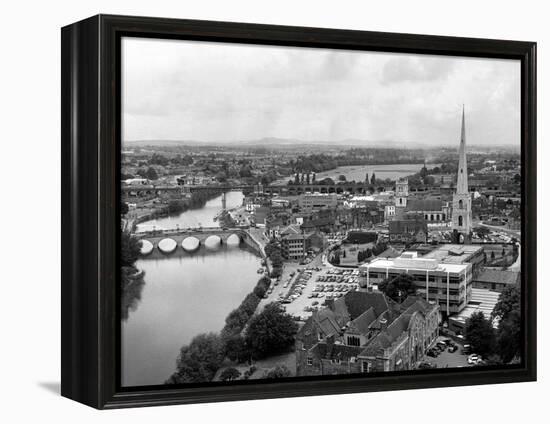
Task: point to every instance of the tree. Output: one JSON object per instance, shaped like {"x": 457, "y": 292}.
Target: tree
{"x": 130, "y": 248}
{"x": 249, "y": 304}
{"x": 176, "y": 206}
{"x": 307, "y": 178}
{"x": 398, "y": 288}
{"x": 270, "y": 332}
{"x": 280, "y": 371}
{"x": 235, "y": 321}
{"x": 508, "y": 313}
{"x": 508, "y": 337}
{"x": 509, "y": 301}
{"x": 151, "y": 174}
{"x": 235, "y": 348}
{"x": 132, "y": 283}
{"x": 261, "y": 287}
{"x": 326, "y": 181}
{"x": 124, "y": 208}
{"x": 373, "y": 179}
{"x": 336, "y": 257}
{"x": 199, "y": 361}
{"x": 367, "y": 177}
{"x": 479, "y": 332}
{"x": 313, "y": 178}
{"x": 245, "y": 171}
{"x": 230, "y": 374}
{"x": 341, "y": 178}
{"x": 158, "y": 159}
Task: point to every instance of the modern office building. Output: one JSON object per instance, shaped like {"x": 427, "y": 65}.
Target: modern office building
{"x": 444, "y": 279}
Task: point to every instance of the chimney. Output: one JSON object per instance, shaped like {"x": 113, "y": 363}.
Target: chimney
{"x": 383, "y": 324}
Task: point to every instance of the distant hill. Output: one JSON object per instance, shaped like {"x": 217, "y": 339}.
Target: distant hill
{"x": 291, "y": 143}
{"x": 276, "y": 141}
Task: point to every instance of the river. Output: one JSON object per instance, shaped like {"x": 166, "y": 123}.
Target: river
{"x": 358, "y": 172}
{"x": 193, "y": 218}
{"x": 184, "y": 294}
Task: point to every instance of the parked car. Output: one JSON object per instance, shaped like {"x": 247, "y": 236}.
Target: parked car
{"x": 466, "y": 349}
{"x": 442, "y": 345}
{"x": 452, "y": 348}
{"x": 474, "y": 359}
{"x": 426, "y": 366}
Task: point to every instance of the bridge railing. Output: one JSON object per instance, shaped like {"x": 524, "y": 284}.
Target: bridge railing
{"x": 176, "y": 231}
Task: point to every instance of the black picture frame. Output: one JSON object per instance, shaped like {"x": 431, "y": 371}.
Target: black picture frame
{"x": 90, "y": 134}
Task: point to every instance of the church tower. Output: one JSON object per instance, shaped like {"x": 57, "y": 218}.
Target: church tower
{"x": 401, "y": 194}
{"x": 462, "y": 200}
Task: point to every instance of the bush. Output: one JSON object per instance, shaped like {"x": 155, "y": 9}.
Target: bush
{"x": 229, "y": 374}
{"x": 280, "y": 371}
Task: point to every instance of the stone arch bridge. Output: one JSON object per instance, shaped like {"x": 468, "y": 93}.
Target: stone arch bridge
{"x": 160, "y": 240}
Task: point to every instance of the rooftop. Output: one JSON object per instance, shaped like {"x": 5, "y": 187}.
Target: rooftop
{"x": 454, "y": 253}
{"x": 482, "y": 300}
{"x": 411, "y": 261}
{"x": 424, "y": 205}
{"x": 498, "y": 276}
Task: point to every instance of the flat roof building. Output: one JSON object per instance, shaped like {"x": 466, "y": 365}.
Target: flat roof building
{"x": 316, "y": 201}
{"x": 447, "y": 283}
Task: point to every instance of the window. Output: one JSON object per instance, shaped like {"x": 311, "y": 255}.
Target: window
{"x": 309, "y": 360}
{"x": 366, "y": 366}
{"x": 460, "y": 219}
{"x": 460, "y": 204}
{"x": 354, "y": 341}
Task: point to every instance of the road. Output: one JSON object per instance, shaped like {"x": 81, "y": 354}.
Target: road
{"x": 513, "y": 233}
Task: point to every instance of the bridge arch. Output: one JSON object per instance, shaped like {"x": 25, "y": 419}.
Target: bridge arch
{"x": 167, "y": 245}
{"x": 190, "y": 244}
{"x": 234, "y": 239}
{"x": 146, "y": 247}
{"x": 213, "y": 240}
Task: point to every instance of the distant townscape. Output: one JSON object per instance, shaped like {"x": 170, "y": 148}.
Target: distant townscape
{"x": 259, "y": 261}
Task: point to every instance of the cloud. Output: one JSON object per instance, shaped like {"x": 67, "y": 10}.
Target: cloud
{"x": 226, "y": 92}
{"x": 420, "y": 68}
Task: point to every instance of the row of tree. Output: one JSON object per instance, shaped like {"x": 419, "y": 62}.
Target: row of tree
{"x": 268, "y": 333}
{"x": 274, "y": 252}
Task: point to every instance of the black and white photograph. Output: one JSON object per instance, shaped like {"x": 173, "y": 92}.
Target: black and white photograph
{"x": 311, "y": 212}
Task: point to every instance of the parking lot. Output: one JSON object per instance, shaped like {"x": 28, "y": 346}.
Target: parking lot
{"x": 447, "y": 359}
{"x": 303, "y": 288}
{"x": 310, "y": 288}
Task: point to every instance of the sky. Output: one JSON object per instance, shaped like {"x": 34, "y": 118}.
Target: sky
{"x": 223, "y": 92}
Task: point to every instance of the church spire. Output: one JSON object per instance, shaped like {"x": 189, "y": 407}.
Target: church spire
{"x": 462, "y": 201}
{"x": 462, "y": 179}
